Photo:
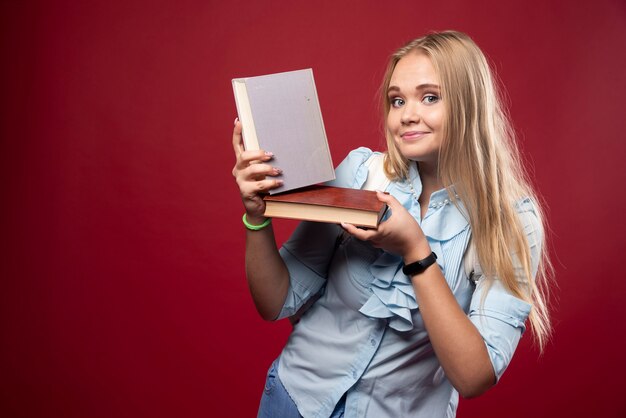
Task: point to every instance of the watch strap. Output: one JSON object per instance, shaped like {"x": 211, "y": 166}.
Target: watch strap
{"x": 419, "y": 266}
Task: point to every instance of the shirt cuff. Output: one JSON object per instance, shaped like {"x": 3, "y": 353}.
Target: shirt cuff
{"x": 500, "y": 320}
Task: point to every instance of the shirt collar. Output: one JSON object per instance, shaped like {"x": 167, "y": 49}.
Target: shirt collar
{"x": 444, "y": 219}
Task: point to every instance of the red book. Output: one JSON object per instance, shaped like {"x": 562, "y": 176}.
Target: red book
{"x": 327, "y": 204}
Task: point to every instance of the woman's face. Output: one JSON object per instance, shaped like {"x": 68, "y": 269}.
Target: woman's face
{"x": 416, "y": 113}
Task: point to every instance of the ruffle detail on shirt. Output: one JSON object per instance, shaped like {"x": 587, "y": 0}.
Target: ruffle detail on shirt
{"x": 393, "y": 297}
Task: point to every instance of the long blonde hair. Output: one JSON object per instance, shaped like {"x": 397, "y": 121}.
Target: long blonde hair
{"x": 479, "y": 157}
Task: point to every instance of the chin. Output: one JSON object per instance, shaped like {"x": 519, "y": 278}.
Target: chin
{"x": 414, "y": 155}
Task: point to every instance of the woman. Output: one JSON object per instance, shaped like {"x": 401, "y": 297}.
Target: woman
{"x": 433, "y": 303}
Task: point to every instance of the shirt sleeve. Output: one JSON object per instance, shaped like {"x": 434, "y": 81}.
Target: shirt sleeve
{"x": 498, "y": 315}
{"x": 309, "y": 251}
{"x": 352, "y": 172}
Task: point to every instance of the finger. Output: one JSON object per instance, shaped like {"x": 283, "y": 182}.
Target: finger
{"x": 249, "y": 158}
{"x": 362, "y": 234}
{"x": 259, "y": 171}
{"x": 387, "y": 198}
{"x": 254, "y": 188}
{"x": 391, "y": 201}
{"x": 237, "y": 138}
{"x": 349, "y": 228}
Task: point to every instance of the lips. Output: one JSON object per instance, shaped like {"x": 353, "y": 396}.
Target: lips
{"x": 412, "y": 135}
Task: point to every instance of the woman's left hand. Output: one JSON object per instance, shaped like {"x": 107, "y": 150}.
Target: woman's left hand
{"x": 400, "y": 234}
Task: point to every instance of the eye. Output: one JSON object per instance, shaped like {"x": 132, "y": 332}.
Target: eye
{"x": 430, "y": 99}
{"x": 396, "y": 102}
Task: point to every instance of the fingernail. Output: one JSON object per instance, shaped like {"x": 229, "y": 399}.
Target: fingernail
{"x": 278, "y": 170}
{"x": 279, "y": 182}
{"x": 269, "y": 154}
{"x": 235, "y": 122}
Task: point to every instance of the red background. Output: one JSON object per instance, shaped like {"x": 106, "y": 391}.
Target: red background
{"x": 122, "y": 283}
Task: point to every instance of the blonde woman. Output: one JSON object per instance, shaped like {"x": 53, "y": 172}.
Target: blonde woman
{"x": 433, "y": 303}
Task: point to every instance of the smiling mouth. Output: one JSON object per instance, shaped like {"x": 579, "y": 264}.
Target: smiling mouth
{"x": 413, "y": 135}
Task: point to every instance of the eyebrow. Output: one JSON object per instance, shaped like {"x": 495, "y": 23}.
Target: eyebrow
{"x": 420, "y": 87}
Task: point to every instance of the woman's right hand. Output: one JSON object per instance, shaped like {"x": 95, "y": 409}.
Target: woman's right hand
{"x": 251, "y": 171}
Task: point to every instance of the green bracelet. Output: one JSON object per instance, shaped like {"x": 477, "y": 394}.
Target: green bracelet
{"x": 255, "y": 227}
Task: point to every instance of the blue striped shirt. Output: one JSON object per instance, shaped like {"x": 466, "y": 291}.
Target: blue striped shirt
{"x": 364, "y": 336}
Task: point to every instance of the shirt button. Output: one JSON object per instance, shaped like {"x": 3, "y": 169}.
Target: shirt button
{"x": 373, "y": 342}
{"x": 354, "y": 374}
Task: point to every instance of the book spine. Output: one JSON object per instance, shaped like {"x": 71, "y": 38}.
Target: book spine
{"x": 250, "y": 140}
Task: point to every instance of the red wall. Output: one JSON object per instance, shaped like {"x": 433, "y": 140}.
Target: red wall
{"x": 122, "y": 290}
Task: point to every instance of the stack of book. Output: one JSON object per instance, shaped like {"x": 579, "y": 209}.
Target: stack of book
{"x": 281, "y": 113}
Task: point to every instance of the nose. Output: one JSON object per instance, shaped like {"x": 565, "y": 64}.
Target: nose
{"x": 410, "y": 113}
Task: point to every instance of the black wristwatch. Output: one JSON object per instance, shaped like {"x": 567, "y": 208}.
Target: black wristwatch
{"x": 420, "y": 265}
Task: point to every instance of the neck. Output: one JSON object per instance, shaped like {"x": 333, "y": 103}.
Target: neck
{"x": 430, "y": 178}
{"x": 430, "y": 183}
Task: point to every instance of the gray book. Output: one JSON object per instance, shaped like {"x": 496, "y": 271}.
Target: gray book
{"x": 281, "y": 113}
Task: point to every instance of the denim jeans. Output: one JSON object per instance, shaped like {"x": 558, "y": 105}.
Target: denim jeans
{"x": 276, "y": 402}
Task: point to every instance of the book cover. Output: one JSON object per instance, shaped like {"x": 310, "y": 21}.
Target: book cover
{"x": 328, "y": 204}
{"x": 281, "y": 113}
